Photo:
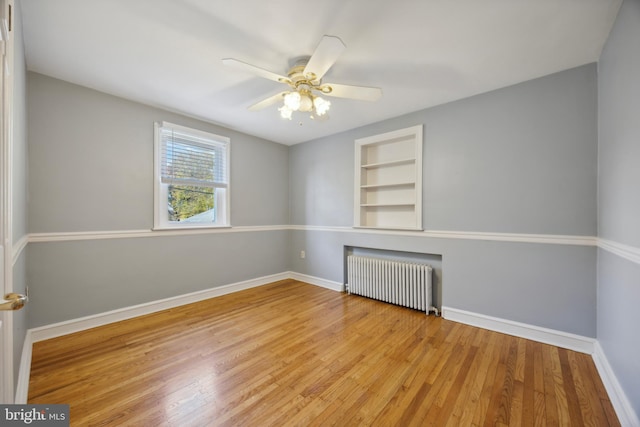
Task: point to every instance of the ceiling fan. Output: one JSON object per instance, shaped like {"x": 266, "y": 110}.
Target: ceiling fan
{"x": 305, "y": 82}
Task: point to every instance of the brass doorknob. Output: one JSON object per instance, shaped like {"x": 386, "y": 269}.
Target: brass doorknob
{"x": 13, "y": 302}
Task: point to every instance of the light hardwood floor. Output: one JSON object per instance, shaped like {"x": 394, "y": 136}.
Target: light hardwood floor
{"x": 290, "y": 354}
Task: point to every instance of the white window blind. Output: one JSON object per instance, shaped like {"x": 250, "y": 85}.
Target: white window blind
{"x": 192, "y": 158}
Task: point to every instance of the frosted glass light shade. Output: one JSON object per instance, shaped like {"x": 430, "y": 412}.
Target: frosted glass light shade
{"x": 285, "y": 112}
{"x": 292, "y": 101}
{"x": 321, "y": 105}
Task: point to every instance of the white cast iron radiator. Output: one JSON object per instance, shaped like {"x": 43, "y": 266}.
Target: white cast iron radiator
{"x": 397, "y": 282}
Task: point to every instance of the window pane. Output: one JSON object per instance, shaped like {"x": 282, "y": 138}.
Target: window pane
{"x": 184, "y": 160}
{"x": 191, "y": 187}
{"x": 191, "y": 204}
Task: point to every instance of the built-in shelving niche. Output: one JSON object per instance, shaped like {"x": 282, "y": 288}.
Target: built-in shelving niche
{"x": 388, "y": 180}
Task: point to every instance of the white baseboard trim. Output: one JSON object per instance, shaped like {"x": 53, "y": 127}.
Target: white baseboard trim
{"x": 619, "y": 400}
{"x": 548, "y": 336}
{"x": 621, "y": 404}
{"x": 76, "y": 325}
{"x": 22, "y": 389}
{"x": 329, "y": 284}
{"x": 80, "y": 324}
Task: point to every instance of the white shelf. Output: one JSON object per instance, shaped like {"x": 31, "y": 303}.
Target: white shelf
{"x": 388, "y": 180}
{"x": 378, "y": 205}
{"x": 391, "y": 184}
{"x": 389, "y": 163}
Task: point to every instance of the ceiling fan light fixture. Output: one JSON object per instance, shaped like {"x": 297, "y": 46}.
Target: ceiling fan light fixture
{"x": 321, "y": 105}
{"x": 285, "y": 112}
{"x": 306, "y": 103}
{"x": 305, "y": 83}
{"x": 292, "y": 101}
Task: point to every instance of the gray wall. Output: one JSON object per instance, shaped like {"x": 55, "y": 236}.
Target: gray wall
{"x": 619, "y": 198}
{"x": 91, "y": 169}
{"x": 19, "y": 184}
{"x": 551, "y": 286}
{"x": 91, "y": 162}
{"x": 80, "y": 278}
{"x": 517, "y": 160}
{"x": 522, "y": 159}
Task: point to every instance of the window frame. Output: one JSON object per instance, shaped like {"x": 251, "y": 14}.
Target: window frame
{"x": 161, "y": 190}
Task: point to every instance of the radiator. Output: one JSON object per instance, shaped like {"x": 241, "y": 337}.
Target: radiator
{"x": 397, "y": 282}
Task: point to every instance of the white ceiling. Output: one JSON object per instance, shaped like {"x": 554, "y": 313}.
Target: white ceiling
{"x": 167, "y": 53}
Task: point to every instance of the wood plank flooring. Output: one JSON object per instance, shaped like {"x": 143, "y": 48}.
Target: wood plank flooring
{"x": 293, "y": 354}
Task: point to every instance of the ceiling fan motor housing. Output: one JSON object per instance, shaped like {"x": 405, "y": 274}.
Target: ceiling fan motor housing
{"x": 298, "y": 78}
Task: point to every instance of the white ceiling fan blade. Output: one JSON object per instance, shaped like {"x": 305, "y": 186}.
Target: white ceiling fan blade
{"x": 261, "y": 72}
{"x": 361, "y": 93}
{"x": 324, "y": 56}
{"x": 267, "y": 102}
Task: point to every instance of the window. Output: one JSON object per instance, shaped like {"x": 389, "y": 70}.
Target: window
{"x": 191, "y": 178}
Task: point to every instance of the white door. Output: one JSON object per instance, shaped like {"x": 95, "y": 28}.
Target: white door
{"x": 6, "y": 261}
{"x": 4, "y": 351}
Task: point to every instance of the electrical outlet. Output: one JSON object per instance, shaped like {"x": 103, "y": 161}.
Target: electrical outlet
{"x": 303, "y": 255}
